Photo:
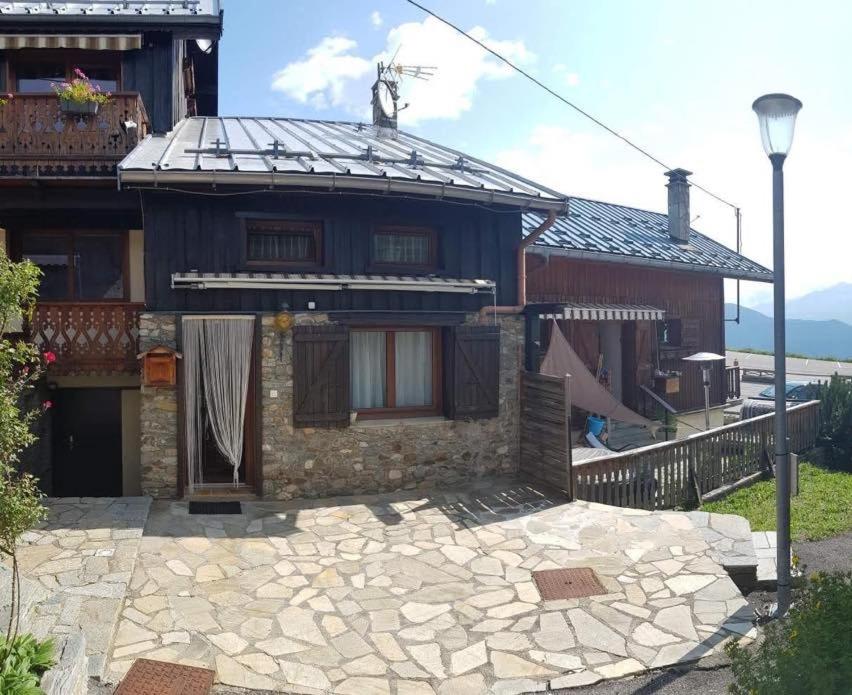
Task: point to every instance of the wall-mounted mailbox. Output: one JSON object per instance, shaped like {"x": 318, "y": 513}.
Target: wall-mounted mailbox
{"x": 159, "y": 366}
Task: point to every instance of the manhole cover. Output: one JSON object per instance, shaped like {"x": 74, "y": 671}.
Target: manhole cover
{"x": 148, "y": 677}
{"x": 215, "y": 507}
{"x": 574, "y": 582}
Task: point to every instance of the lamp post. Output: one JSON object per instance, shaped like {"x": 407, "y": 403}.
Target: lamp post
{"x": 706, "y": 360}
{"x": 776, "y": 114}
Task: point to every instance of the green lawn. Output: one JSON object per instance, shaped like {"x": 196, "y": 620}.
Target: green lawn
{"x": 823, "y": 507}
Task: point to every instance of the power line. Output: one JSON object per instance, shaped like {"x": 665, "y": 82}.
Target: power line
{"x": 561, "y": 98}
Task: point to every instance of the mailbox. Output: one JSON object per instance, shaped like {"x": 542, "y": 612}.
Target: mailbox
{"x": 159, "y": 366}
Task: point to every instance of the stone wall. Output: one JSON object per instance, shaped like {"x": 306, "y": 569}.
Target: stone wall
{"x": 381, "y": 455}
{"x": 159, "y": 423}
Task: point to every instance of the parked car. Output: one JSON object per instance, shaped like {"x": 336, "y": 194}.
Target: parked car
{"x": 798, "y": 391}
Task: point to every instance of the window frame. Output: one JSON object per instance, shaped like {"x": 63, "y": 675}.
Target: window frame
{"x": 674, "y": 321}
{"x": 404, "y": 230}
{"x": 316, "y": 227}
{"x": 70, "y": 58}
{"x": 391, "y": 411}
{"x": 69, "y": 237}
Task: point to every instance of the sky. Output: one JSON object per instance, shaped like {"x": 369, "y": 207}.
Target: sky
{"x": 676, "y": 77}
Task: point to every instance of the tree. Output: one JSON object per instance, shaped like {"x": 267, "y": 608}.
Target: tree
{"x": 21, "y": 365}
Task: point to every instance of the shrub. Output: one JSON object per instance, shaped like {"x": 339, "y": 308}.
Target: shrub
{"x": 27, "y": 660}
{"x": 836, "y": 422}
{"x": 805, "y": 652}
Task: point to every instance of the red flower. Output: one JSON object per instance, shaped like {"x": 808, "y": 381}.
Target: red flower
{"x": 50, "y": 357}
{"x": 47, "y": 405}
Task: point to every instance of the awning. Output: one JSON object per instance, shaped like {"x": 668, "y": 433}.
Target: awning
{"x": 90, "y": 42}
{"x": 329, "y": 282}
{"x": 605, "y": 312}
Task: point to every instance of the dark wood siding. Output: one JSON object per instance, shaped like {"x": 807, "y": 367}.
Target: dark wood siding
{"x": 149, "y": 71}
{"x": 204, "y": 233}
{"x": 695, "y": 298}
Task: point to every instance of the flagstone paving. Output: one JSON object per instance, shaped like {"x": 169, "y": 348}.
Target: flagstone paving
{"x": 407, "y": 595}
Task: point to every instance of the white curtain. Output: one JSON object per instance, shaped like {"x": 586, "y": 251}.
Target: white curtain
{"x": 413, "y": 368}
{"x": 367, "y": 368}
{"x": 217, "y": 360}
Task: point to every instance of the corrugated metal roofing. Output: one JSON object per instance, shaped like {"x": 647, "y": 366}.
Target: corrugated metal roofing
{"x": 593, "y": 229}
{"x": 112, "y": 8}
{"x": 297, "y": 152}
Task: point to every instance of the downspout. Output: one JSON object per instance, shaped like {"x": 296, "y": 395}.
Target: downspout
{"x": 522, "y": 269}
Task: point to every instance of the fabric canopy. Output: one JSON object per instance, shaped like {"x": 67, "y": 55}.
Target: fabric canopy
{"x": 605, "y": 312}
{"x": 100, "y": 42}
{"x": 586, "y": 392}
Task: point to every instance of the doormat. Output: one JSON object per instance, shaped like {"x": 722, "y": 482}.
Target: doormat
{"x": 149, "y": 677}
{"x": 215, "y": 508}
{"x": 575, "y": 582}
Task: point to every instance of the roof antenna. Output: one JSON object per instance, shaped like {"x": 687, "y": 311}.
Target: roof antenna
{"x": 386, "y": 92}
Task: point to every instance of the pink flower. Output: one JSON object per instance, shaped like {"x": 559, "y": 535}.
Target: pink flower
{"x": 80, "y": 73}
{"x": 50, "y": 357}
{"x": 47, "y": 405}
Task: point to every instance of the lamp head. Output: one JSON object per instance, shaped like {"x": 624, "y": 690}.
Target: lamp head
{"x": 776, "y": 115}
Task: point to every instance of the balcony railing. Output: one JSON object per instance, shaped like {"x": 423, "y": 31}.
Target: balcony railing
{"x": 38, "y": 140}
{"x": 88, "y": 338}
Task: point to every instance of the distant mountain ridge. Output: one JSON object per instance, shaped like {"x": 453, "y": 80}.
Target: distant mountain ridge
{"x": 812, "y": 338}
{"x": 822, "y": 305}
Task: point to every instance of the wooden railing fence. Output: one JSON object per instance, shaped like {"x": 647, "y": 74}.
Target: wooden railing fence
{"x": 732, "y": 379}
{"x": 545, "y": 445}
{"x": 666, "y": 475}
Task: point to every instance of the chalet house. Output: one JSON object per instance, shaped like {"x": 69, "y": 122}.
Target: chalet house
{"x": 635, "y": 292}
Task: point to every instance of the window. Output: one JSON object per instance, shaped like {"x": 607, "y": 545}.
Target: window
{"x": 39, "y": 77}
{"x": 669, "y": 333}
{"x": 409, "y": 247}
{"x": 283, "y": 243}
{"x": 38, "y": 70}
{"x": 85, "y": 266}
{"x": 395, "y": 372}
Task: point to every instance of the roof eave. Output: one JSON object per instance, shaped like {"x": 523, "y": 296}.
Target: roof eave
{"x": 334, "y": 182}
{"x": 210, "y": 25}
{"x": 659, "y": 263}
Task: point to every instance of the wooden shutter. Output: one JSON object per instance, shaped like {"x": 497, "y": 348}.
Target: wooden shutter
{"x": 321, "y": 376}
{"x": 690, "y": 332}
{"x": 473, "y": 372}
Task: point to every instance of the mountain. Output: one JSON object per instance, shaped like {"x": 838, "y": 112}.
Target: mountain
{"x": 832, "y": 303}
{"x": 811, "y": 338}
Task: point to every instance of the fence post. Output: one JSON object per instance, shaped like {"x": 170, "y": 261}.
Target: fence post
{"x": 569, "y": 463}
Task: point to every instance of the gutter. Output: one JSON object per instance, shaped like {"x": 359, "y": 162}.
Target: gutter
{"x": 522, "y": 269}
{"x": 330, "y": 182}
{"x": 547, "y": 251}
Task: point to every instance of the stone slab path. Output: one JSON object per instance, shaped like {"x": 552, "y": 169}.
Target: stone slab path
{"x": 407, "y": 595}
{"x": 84, "y": 556}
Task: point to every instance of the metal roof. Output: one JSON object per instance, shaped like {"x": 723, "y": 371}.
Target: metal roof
{"x": 332, "y": 155}
{"x": 607, "y": 232}
{"x": 115, "y": 10}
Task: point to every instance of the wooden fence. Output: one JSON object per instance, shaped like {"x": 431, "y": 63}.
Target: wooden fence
{"x": 666, "y": 475}
{"x": 546, "y": 430}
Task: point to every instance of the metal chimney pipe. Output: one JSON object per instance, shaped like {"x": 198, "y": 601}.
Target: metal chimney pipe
{"x": 678, "y": 205}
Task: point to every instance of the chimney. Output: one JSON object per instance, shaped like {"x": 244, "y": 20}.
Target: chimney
{"x": 678, "y": 205}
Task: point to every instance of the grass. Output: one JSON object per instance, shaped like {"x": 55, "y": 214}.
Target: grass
{"x": 822, "y": 509}
{"x": 757, "y": 351}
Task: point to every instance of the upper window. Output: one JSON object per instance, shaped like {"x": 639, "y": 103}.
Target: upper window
{"x": 84, "y": 266}
{"x": 408, "y": 247}
{"x": 38, "y": 70}
{"x": 283, "y": 243}
{"x": 670, "y": 333}
{"x": 395, "y": 372}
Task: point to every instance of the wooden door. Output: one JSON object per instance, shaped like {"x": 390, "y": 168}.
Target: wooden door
{"x": 629, "y": 395}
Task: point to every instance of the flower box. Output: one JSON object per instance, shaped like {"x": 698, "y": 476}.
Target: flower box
{"x": 667, "y": 384}
{"x": 78, "y": 108}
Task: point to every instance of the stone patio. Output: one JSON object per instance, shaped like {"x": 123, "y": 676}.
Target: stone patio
{"x": 406, "y": 594}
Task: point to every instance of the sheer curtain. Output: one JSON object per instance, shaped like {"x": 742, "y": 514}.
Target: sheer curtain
{"x": 217, "y": 361}
{"x": 413, "y": 356}
{"x": 367, "y": 368}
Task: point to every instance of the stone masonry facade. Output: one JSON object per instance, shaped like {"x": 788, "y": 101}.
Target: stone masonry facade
{"x": 374, "y": 456}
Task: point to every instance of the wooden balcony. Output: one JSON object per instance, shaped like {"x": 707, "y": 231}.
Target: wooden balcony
{"x": 38, "y": 140}
{"x": 88, "y": 338}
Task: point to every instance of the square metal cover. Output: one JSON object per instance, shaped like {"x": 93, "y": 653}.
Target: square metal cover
{"x": 228, "y": 507}
{"x": 574, "y": 582}
{"x": 149, "y": 677}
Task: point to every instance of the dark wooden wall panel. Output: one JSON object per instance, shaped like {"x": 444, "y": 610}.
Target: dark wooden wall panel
{"x": 203, "y": 233}
{"x": 689, "y": 296}
{"x": 149, "y": 72}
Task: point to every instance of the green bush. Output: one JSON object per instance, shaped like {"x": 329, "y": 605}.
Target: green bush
{"x": 836, "y": 422}
{"x": 806, "y": 652}
{"x": 24, "y": 665}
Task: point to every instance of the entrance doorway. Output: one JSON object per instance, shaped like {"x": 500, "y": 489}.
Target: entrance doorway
{"x": 87, "y": 443}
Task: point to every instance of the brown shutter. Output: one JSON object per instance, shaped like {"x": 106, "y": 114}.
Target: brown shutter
{"x": 321, "y": 376}
{"x": 473, "y": 372}
{"x": 690, "y": 332}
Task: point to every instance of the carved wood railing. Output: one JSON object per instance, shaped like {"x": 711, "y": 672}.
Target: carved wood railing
{"x": 88, "y": 338}
{"x": 38, "y": 140}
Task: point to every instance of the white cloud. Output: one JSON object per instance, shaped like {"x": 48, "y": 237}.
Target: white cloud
{"x": 572, "y": 79}
{"x": 376, "y": 19}
{"x": 333, "y": 74}
{"x": 322, "y": 75}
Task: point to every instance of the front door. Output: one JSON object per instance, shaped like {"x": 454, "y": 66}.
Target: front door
{"x": 87, "y": 443}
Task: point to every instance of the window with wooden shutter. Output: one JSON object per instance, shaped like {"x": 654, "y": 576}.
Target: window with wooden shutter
{"x": 473, "y": 372}
{"x": 690, "y": 332}
{"x": 321, "y": 376}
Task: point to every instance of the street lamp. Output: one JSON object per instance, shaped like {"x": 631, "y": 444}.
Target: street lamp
{"x": 706, "y": 360}
{"x": 776, "y": 114}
